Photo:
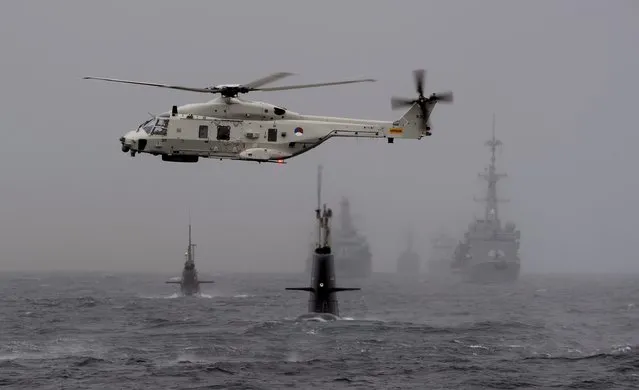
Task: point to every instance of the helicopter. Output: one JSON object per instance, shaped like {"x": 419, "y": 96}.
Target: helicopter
{"x": 229, "y": 127}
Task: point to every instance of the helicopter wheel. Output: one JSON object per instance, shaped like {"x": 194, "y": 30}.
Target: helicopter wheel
{"x": 133, "y": 153}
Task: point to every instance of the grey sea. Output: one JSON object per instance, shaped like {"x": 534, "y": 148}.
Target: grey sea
{"x": 99, "y": 331}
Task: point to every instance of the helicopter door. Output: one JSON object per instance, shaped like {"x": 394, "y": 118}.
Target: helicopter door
{"x": 272, "y": 135}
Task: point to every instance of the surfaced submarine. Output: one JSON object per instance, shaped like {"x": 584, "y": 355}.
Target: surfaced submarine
{"x": 322, "y": 303}
{"x": 189, "y": 282}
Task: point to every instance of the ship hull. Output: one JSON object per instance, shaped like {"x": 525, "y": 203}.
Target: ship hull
{"x": 439, "y": 267}
{"x": 350, "y": 268}
{"x": 492, "y": 272}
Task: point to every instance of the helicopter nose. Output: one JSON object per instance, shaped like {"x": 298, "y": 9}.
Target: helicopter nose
{"x": 127, "y": 142}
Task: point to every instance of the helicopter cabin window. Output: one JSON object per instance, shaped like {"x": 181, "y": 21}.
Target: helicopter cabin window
{"x": 272, "y": 135}
{"x": 279, "y": 111}
{"x": 223, "y": 133}
{"x": 203, "y": 131}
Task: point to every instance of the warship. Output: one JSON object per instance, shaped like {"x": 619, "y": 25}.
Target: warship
{"x": 409, "y": 263}
{"x": 441, "y": 254}
{"x": 489, "y": 252}
{"x": 322, "y": 303}
{"x": 189, "y": 282}
{"x": 353, "y": 258}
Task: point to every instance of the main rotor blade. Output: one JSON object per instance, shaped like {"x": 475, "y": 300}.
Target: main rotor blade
{"x": 419, "y": 75}
{"x": 266, "y": 80}
{"x": 179, "y": 87}
{"x": 397, "y": 102}
{"x": 287, "y": 87}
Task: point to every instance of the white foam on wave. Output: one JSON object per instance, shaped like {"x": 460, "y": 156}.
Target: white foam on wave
{"x": 172, "y": 296}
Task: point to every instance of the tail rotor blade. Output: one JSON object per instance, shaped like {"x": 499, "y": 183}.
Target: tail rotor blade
{"x": 443, "y": 97}
{"x": 419, "y": 75}
{"x": 397, "y": 102}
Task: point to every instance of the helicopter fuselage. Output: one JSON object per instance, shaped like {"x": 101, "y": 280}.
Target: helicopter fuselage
{"x": 232, "y": 128}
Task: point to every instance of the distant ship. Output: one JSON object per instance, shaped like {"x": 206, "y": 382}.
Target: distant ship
{"x": 353, "y": 258}
{"x": 441, "y": 254}
{"x": 408, "y": 263}
{"x": 489, "y": 251}
{"x": 189, "y": 282}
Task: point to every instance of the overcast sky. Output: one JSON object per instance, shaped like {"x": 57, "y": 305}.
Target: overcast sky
{"x": 561, "y": 77}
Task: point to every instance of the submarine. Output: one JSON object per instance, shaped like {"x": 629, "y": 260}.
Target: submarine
{"x": 189, "y": 282}
{"x": 322, "y": 303}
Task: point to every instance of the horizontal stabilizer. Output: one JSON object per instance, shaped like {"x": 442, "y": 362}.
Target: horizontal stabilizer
{"x": 309, "y": 289}
{"x": 173, "y": 281}
{"x": 337, "y": 289}
{"x": 205, "y": 281}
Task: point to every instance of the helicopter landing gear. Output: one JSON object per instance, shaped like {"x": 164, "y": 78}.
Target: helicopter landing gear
{"x": 133, "y": 153}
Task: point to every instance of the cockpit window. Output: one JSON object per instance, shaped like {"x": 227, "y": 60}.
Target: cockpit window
{"x": 160, "y": 126}
{"x": 156, "y": 126}
{"x": 147, "y": 126}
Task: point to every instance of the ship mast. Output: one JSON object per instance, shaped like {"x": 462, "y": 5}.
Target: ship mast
{"x": 491, "y": 212}
{"x": 323, "y": 216}
{"x": 190, "y": 252}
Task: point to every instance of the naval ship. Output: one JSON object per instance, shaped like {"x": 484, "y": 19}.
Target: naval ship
{"x": 489, "y": 252}
{"x": 353, "y": 258}
{"x": 441, "y": 254}
{"x": 189, "y": 282}
{"x": 408, "y": 263}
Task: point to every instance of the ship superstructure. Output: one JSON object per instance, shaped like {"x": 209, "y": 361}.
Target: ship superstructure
{"x": 353, "y": 258}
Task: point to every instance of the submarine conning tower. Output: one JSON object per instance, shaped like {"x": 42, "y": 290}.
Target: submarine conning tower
{"x": 323, "y": 297}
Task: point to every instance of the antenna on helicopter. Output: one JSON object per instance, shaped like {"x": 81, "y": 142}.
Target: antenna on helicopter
{"x": 232, "y": 90}
{"x": 419, "y": 76}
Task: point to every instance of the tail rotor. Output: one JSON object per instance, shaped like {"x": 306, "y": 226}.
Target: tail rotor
{"x": 425, "y": 103}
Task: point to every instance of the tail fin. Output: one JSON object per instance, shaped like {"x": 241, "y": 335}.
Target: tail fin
{"x": 410, "y": 125}
{"x": 309, "y": 289}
